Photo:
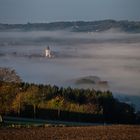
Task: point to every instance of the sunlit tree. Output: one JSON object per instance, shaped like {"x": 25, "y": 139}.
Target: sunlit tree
{"x": 18, "y": 103}
{"x": 32, "y": 97}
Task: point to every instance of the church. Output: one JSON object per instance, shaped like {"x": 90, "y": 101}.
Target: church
{"x": 48, "y": 52}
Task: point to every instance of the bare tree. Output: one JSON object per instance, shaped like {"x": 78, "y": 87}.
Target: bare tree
{"x": 9, "y": 75}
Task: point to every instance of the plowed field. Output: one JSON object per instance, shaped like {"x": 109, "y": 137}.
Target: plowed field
{"x": 115, "y": 132}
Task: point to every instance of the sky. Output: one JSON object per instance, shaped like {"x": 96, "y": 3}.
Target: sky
{"x": 23, "y": 11}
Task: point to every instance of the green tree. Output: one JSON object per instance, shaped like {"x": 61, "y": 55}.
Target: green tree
{"x": 57, "y": 103}
{"x": 32, "y": 97}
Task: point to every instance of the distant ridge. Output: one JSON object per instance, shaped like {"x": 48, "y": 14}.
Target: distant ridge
{"x": 76, "y": 26}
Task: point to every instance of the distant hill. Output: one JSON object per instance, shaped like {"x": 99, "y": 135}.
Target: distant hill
{"x": 77, "y": 26}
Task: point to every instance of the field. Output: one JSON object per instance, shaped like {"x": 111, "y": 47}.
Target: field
{"x": 114, "y": 132}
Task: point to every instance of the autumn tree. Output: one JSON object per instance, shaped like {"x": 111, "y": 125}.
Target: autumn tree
{"x": 8, "y": 93}
{"x": 32, "y": 97}
{"x": 18, "y": 103}
{"x": 57, "y": 103}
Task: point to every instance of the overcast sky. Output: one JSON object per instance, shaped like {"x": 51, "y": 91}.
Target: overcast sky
{"x": 23, "y": 11}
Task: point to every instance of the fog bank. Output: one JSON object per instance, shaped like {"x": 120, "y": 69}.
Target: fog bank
{"x": 112, "y": 56}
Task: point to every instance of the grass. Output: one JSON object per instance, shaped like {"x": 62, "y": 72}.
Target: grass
{"x": 26, "y": 122}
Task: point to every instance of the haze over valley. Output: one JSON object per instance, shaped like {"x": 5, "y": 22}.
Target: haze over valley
{"x": 106, "y": 60}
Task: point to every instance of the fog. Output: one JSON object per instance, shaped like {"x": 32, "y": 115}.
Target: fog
{"x": 113, "y": 56}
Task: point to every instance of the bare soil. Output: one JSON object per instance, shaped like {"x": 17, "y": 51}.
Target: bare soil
{"x": 114, "y": 132}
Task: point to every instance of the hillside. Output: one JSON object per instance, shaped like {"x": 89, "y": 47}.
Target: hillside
{"x": 77, "y": 26}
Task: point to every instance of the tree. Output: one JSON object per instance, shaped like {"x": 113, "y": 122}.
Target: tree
{"x": 9, "y": 75}
{"x": 93, "y": 108}
{"x": 18, "y": 103}
{"x": 8, "y": 93}
{"x": 56, "y": 103}
{"x": 59, "y": 103}
{"x": 32, "y": 97}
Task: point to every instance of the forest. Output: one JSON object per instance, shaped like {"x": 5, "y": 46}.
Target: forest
{"x": 21, "y": 99}
{"x": 58, "y": 103}
{"x": 76, "y": 26}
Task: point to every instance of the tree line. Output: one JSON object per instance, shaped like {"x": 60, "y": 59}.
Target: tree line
{"x": 53, "y": 102}
{"x": 16, "y": 98}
